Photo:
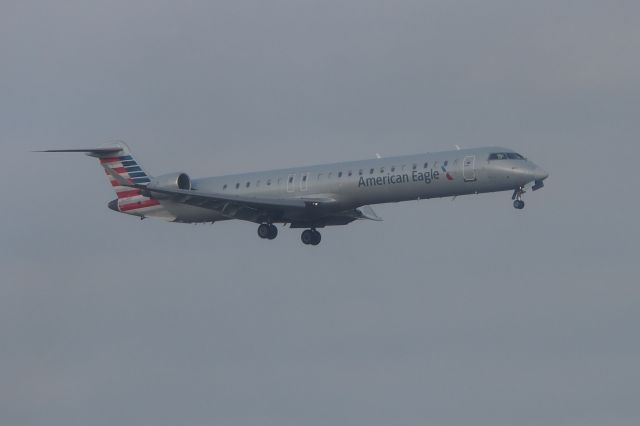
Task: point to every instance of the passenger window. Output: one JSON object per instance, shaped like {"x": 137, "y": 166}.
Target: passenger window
{"x": 268, "y": 182}
{"x": 339, "y": 174}
{"x": 304, "y": 178}
{"x": 393, "y": 169}
{"x": 237, "y": 185}
{"x": 360, "y": 172}
{"x": 290, "y": 179}
{"x": 350, "y": 173}
{"x": 381, "y": 169}
{"x": 415, "y": 166}
{"x": 426, "y": 165}
{"x": 371, "y": 171}
{"x": 224, "y": 188}
{"x": 248, "y": 183}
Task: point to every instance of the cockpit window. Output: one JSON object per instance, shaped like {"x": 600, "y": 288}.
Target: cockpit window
{"x": 505, "y": 156}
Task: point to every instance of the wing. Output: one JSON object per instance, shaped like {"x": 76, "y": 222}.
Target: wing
{"x": 299, "y": 212}
{"x": 254, "y": 209}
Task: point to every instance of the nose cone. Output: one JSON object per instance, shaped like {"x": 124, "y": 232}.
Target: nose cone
{"x": 540, "y": 174}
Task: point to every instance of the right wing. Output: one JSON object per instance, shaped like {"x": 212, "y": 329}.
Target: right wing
{"x": 254, "y": 209}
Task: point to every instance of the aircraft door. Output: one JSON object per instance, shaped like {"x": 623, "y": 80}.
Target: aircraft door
{"x": 291, "y": 182}
{"x": 469, "y": 168}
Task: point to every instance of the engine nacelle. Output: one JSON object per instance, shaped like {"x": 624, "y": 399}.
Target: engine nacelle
{"x": 172, "y": 181}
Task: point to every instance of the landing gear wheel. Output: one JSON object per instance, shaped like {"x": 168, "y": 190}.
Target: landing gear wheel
{"x": 307, "y": 237}
{"x": 267, "y": 231}
{"x": 316, "y": 237}
{"x": 264, "y": 231}
{"x": 517, "y": 198}
{"x": 273, "y": 232}
{"x": 311, "y": 237}
{"x": 518, "y": 204}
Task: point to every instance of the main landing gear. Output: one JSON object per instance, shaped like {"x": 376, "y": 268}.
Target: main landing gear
{"x": 311, "y": 237}
{"x": 517, "y": 198}
{"x": 267, "y": 231}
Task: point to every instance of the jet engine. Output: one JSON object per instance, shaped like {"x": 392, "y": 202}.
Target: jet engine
{"x": 172, "y": 181}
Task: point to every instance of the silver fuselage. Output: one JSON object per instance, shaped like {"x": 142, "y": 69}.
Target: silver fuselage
{"x": 354, "y": 184}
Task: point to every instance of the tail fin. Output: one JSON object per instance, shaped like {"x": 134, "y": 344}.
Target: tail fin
{"x": 118, "y": 159}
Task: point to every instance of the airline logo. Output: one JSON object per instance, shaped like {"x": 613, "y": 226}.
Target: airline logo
{"x": 444, "y": 170}
{"x": 427, "y": 177}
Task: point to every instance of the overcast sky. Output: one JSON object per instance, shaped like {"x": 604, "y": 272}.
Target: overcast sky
{"x": 447, "y": 313}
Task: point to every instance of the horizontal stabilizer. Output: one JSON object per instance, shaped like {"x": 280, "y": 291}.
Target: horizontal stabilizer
{"x": 93, "y": 152}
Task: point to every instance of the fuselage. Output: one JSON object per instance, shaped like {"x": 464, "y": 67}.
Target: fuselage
{"x": 350, "y": 185}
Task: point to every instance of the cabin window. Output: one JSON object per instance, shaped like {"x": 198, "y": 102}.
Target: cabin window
{"x": 268, "y": 182}
{"x": 381, "y": 169}
{"x": 339, "y": 174}
{"x": 426, "y": 165}
{"x": 360, "y": 172}
{"x": 304, "y": 178}
{"x": 350, "y": 173}
{"x": 224, "y": 187}
{"x": 290, "y": 179}
{"x": 248, "y": 184}
{"x": 415, "y": 166}
{"x": 393, "y": 169}
{"x": 371, "y": 171}
{"x": 237, "y": 185}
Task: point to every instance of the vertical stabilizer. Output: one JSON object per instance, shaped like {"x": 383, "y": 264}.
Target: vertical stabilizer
{"x": 117, "y": 157}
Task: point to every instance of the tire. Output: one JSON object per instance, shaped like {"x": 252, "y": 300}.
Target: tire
{"x": 317, "y": 237}
{"x": 273, "y": 232}
{"x": 307, "y": 237}
{"x": 264, "y": 231}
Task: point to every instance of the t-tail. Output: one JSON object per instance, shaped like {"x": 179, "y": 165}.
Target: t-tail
{"x": 120, "y": 166}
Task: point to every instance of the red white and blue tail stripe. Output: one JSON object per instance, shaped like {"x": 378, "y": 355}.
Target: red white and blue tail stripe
{"x": 130, "y": 200}
{"x": 118, "y": 161}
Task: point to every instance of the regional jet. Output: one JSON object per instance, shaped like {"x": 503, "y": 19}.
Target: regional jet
{"x": 316, "y": 196}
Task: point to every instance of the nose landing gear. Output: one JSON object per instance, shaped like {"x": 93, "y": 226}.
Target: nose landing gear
{"x": 311, "y": 237}
{"x": 267, "y": 231}
{"x": 517, "y": 198}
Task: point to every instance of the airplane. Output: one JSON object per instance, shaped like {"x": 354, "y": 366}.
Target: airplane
{"x": 316, "y": 196}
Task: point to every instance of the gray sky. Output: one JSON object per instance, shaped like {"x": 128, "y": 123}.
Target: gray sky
{"x": 447, "y": 313}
